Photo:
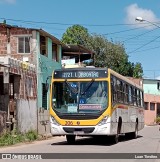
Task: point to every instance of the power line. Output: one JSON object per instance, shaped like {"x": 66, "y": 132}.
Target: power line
{"x": 144, "y": 45}
{"x": 140, "y": 35}
{"x": 43, "y": 22}
{"x": 126, "y": 30}
{"x": 148, "y": 49}
{"x": 57, "y": 23}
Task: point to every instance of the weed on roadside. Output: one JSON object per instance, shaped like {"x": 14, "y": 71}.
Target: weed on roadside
{"x": 10, "y": 139}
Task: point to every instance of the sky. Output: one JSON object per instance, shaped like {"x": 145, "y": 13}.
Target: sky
{"x": 113, "y": 19}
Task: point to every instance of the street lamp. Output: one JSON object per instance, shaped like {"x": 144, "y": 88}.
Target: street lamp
{"x": 140, "y": 19}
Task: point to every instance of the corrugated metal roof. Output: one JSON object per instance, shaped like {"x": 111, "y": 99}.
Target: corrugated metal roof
{"x": 76, "y": 49}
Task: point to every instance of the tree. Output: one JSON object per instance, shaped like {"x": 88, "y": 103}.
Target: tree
{"x": 76, "y": 34}
{"x": 107, "y": 54}
{"x": 138, "y": 71}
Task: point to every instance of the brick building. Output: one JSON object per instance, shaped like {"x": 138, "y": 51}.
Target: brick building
{"x": 27, "y": 57}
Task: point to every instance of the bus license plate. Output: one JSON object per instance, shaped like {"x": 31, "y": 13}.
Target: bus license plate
{"x": 78, "y": 132}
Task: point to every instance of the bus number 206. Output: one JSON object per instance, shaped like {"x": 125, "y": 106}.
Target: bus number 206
{"x": 68, "y": 123}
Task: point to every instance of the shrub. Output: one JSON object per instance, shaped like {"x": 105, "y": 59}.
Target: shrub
{"x": 158, "y": 119}
{"x": 31, "y": 135}
{"x": 11, "y": 138}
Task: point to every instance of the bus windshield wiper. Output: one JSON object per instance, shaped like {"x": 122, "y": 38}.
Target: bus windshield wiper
{"x": 74, "y": 90}
{"x": 87, "y": 87}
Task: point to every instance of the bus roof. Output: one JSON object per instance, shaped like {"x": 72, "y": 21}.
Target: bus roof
{"x": 124, "y": 78}
{"x": 81, "y": 68}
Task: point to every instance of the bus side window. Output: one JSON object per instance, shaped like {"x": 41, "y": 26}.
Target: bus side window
{"x": 118, "y": 90}
{"x": 122, "y": 91}
{"x": 138, "y": 97}
{"x": 126, "y": 91}
{"x": 141, "y": 98}
{"x": 113, "y": 89}
{"x": 130, "y": 95}
{"x": 135, "y": 96}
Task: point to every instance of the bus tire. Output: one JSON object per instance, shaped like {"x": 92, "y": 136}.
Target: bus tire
{"x": 119, "y": 126}
{"x": 135, "y": 134}
{"x": 70, "y": 139}
{"x": 115, "y": 138}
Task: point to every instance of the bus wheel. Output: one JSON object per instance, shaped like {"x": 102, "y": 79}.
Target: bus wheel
{"x": 135, "y": 134}
{"x": 115, "y": 138}
{"x": 70, "y": 139}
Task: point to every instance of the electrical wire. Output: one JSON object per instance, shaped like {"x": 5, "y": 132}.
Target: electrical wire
{"x": 117, "y": 32}
{"x": 126, "y": 30}
{"x": 149, "y": 49}
{"x": 57, "y": 23}
{"x": 144, "y": 45}
{"x": 140, "y": 35}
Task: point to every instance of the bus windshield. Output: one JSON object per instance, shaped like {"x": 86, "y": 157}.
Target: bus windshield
{"x": 80, "y": 97}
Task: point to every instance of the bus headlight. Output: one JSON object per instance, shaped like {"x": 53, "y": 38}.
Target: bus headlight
{"x": 103, "y": 121}
{"x": 53, "y": 121}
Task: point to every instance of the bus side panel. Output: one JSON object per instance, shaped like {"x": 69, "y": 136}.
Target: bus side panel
{"x": 114, "y": 124}
{"x": 140, "y": 118}
{"x": 129, "y": 117}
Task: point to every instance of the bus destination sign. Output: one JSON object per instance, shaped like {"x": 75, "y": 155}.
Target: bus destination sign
{"x": 80, "y": 74}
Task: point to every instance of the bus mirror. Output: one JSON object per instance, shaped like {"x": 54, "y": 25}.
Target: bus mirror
{"x": 47, "y": 86}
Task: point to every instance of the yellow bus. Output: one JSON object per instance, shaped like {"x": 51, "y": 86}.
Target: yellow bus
{"x": 94, "y": 101}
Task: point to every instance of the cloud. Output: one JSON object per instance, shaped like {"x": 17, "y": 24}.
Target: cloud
{"x": 8, "y": 1}
{"x": 134, "y": 11}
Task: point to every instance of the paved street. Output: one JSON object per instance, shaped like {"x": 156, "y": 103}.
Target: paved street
{"x": 148, "y": 141}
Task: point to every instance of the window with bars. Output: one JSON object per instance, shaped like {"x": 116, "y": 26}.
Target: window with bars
{"x": 44, "y": 96}
{"x": 146, "y": 105}
{"x": 43, "y": 46}
{"x": 152, "y": 106}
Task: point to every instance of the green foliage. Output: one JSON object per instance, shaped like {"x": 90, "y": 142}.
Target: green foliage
{"x": 107, "y": 54}
{"x": 76, "y": 34}
{"x": 158, "y": 119}
{"x": 31, "y": 135}
{"x": 138, "y": 71}
{"x": 11, "y": 139}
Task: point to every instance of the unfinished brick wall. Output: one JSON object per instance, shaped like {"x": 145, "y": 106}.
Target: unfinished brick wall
{"x": 3, "y": 40}
{"x": 13, "y": 39}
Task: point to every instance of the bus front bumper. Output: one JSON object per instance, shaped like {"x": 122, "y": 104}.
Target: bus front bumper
{"x": 80, "y": 130}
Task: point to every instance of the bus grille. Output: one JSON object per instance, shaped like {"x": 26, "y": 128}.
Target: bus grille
{"x": 78, "y": 117}
{"x": 85, "y": 130}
